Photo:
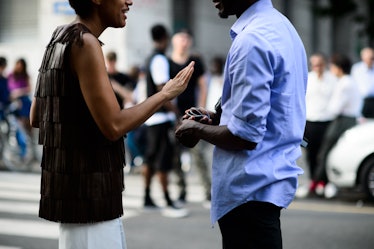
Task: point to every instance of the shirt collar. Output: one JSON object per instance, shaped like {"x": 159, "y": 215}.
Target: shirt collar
{"x": 242, "y": 21}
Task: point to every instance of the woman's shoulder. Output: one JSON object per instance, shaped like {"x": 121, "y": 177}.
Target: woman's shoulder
{"x": 72, "y": 33}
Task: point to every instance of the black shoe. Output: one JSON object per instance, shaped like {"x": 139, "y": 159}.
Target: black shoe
{"x": 148, "y": 203}
{"x": 182, "y": 196}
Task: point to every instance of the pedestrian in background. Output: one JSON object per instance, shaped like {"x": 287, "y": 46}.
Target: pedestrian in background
{"x": 344, "y": 104}
{"x": 81, "y": 127}
{"x": 19, "y": 86}
{"x": 195, "y": 95}
{"x": 321, "y": 84}
{"x": 160, "y": 149}
{"x": 257, "y": 141}
{"x": 4, "y": 91}
{"x": 123, "y": 85}
{"x": 363, "y": 75}
{"x": 214, "y": 81}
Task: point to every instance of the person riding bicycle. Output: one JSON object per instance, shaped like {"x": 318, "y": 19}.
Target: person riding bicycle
{"x": 20, "y": 88}
{"x": 4, "y": 91}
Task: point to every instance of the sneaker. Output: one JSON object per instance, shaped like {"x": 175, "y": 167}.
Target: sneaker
{"x": 207, "y": 204}
{"x": 179, "y": 204}
{"x": 302, "y": 191}
{"x": 312, "y": 186}
{"x": 174, "y": 212}
{"x": 330, "y": 191}
{"x": 320, "y": 188}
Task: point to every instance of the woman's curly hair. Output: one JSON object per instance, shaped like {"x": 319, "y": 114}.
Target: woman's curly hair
{"x": 83, "y": 8}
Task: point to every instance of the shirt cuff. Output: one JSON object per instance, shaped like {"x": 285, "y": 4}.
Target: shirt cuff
{"x": 245, "y": 130}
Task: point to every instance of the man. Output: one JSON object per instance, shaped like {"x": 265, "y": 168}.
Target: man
{"x": 194, "y": 95}
{"x": 345, "y": 105}
{"x": 258, "y": 138}
{"x": 122, "y": 83}
{"x": 159, "y": 151}
{"x": 363, "y": 75}
{"x": 321, "y": 84}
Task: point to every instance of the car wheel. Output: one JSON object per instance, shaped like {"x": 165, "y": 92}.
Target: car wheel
{"x": 367, "y": 178}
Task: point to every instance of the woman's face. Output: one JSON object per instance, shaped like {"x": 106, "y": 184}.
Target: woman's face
{"x": 113, "y": 12}
{"x": 18, "y": 68}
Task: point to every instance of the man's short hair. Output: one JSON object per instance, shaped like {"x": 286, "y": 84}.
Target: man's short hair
{"x": 342, "y": 61}
{"x": 3, "y": 62}
{"x": 159, "y": 32}
{"x": 111, "y": 56}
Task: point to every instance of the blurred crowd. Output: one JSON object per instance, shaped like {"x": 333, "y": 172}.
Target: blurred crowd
{"x": 340, "y": 94}
{"x": 132, "y": 87}
{"x": 152, "y": 147}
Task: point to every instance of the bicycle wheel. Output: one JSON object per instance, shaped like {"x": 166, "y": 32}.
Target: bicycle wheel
{"x": 13, "y": 158}
{"x": 4, "y": 131}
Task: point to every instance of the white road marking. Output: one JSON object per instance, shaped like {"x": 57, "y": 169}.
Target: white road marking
{"x": 19, "y": 207}
{"x": 325, "y": 207}
{"x": 28, "y": 228}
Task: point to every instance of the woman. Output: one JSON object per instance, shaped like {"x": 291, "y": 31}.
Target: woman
{"x": 20, "y": 88}
{"x": 82, "y": 126}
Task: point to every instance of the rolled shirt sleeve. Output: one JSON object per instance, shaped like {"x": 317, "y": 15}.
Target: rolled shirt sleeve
{"x": 250, "y": 74}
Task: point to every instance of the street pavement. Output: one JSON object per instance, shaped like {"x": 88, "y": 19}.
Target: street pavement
{"x": 308, "y": 223}
{"x": 21, "y": 228}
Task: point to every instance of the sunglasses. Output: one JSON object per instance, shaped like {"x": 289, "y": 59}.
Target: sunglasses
{"x": 196, "y": 114}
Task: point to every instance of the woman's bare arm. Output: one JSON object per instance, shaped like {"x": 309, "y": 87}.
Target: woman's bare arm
{"x": 89, "y": 65}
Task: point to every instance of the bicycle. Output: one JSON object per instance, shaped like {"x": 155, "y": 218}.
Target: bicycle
{"x": 18, "y": 149}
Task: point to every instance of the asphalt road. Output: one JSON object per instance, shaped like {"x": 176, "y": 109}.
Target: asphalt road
{"x": 344, "y": 223}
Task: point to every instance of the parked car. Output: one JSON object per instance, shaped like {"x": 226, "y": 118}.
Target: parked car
{"x": 350, "y": 163}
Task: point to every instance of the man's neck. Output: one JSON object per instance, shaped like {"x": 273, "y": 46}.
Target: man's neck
{"x": 112, "y": 70}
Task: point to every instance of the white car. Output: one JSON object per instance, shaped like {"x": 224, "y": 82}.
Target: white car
{"x": 350, "y": 163}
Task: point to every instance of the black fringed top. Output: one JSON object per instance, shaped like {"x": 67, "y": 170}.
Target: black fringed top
{"x": 82, "y": 171}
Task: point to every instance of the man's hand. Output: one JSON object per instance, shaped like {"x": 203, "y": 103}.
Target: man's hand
{"x": 186, "y": 134}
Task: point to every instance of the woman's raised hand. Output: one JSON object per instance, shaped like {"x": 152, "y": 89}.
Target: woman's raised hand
{"x": 179, "y": 83}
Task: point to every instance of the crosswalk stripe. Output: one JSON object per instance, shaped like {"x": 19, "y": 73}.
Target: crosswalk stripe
{"x": 19, "y": 207}
{"x": 30, "y": 187}
{"x": 19, "y": 195}
{"x": 27, "y": 228}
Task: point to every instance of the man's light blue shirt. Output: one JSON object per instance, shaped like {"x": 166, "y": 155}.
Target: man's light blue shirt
{"x": 263, "y": 101}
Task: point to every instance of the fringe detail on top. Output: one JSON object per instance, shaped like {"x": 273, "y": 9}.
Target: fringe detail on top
{"x": 95, "y": 210}
{"x": 82, "y": 171}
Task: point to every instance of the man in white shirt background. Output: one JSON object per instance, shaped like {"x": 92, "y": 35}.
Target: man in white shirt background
{"x": 321, "y": 84}
{"x": 363, "y": 75}
{"x": 345, "y": 105}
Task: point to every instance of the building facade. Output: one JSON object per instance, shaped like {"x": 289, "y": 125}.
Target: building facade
{"x": 26, "y": 26}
